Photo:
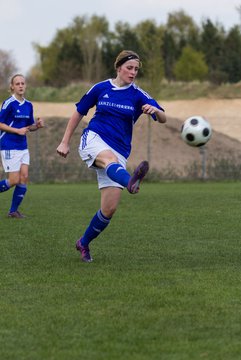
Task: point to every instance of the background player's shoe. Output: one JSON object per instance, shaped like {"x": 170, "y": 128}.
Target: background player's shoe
{"x": 84, "y": 251}
{"x": 139, "y": 174}
{"x": 16, "y": 215}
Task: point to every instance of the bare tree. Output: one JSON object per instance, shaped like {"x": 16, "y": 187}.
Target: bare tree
{"x": 7, "y": 67}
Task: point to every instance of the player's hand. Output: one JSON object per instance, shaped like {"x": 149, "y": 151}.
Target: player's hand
{"x": 63, "y": 150}
{"x": 39, "y": 123}
{"x": 149, "y": 109}
{"x": 22, "y": 131}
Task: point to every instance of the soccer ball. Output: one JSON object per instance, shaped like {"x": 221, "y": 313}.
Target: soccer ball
{"x": 196, "y": 131}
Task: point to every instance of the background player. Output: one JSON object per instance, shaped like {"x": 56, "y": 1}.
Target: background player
{"x": 16, "y": 120}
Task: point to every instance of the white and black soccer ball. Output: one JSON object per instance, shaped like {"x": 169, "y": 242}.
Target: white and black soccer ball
{"x": 196, "y": 131}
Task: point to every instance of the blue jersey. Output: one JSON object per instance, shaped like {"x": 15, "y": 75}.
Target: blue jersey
{"x": 117, "y": 110}
{"x": 15, "y": 114}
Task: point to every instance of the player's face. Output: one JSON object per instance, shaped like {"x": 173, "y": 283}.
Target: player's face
{"x": 128, "y": 71}
{"x": 18, "y": 86}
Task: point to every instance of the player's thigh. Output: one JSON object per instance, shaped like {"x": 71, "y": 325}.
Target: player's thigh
{"x": 110, "y": 198}
{"x": 105, "y": 158}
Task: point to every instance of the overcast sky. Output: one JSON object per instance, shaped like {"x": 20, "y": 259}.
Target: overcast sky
{"x": 23, "y": 22}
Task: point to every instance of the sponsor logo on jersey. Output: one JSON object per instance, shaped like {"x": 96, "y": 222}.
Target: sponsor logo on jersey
{"x": 22, "y": 116}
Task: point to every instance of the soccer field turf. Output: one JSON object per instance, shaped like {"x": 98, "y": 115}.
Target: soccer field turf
{"x": 165, "y": 281}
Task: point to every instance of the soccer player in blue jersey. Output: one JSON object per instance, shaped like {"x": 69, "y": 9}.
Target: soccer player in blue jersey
{"x": 106, "y": 142}
{"x": 16, "y": 120}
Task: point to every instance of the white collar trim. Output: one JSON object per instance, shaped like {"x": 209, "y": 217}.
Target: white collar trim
{"x": 115, "y": 87}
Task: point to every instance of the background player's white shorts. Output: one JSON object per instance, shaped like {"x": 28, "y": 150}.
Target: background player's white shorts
{"x": 90, "y": 146}
{"x": 13, "y": 159}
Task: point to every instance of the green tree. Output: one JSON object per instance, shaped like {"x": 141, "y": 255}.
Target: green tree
{"x": 60, "y": 62}
{"x": 180, "y": 31}
{"x": 86, "y": 51}
{"x": 191, "y": 65}
{"x": 150, "y": 37}
{"x": 75, "y": 52}
{"x": 123, "y": 38}
{"x": 231, "y": 63}
{"x": 212, "y": 45}
{"x": 92, "y": 35}
{"x": 170, "y": 54}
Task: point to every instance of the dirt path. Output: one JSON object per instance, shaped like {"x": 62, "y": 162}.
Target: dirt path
{"x": 224, "y": 115}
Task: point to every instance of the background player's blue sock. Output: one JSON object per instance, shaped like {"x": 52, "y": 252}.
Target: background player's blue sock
{"x": 4, "y": 185}
{"x": 117, "y": 173}
{"x": 96, "y": 226}
{"x": 18, "y": 195}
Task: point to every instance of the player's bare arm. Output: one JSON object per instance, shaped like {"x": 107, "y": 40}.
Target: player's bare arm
{"x": 13, "y": 130}
{"x": 38, "y": 125}
{"x": 63, "y": 148}
{"x": 150, "y": 110}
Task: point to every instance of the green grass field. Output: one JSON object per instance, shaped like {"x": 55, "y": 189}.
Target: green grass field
{"x": 165, "y": 283}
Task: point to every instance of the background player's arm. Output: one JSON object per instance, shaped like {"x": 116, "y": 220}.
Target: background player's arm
{"x": 63, "y": 148}
{"x": 38, "y": 125}
{"x": 13, "y": 130}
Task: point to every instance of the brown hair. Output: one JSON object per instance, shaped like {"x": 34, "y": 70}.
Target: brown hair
{"x": 124, "y": 56}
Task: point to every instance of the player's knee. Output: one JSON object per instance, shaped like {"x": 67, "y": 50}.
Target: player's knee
{"x": 110, "y": 159}
{"x": 13, "y": 182}
{"x": 23, "y": 179}
{"x": 109, "y": 212}
{"x": 105, "y": 158}
{"x": 13, "y": 179}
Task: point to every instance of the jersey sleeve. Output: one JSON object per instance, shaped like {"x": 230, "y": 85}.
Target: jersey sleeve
{"x": 155, "y": 103}
{"x": 145, "y": 98}
{"x": 5, "y": 111}
{"x": 88, "y": 101}
{"x": 31, "y": 117}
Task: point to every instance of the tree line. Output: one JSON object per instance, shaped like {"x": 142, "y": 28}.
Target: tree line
{"x": 178, "y": 50}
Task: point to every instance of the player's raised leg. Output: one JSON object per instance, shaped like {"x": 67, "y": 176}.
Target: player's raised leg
{"x": 138, "y": 175}
{"x": 117, "y": 173}
{"x": 4, "y": 185}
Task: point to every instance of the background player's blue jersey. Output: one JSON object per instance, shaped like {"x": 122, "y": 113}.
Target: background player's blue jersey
{"x": 117, "y": 109}
{"x": 15, "y": 114}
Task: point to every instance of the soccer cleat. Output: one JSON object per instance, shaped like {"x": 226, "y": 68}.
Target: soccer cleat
{"x": 84, "y": 251}
{"x": 16, "y": 215}
{"x": 139, "y": 174}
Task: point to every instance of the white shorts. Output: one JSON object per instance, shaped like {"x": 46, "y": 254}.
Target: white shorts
{"x": 90, "y": 146}
{"x": 13, "y": 159}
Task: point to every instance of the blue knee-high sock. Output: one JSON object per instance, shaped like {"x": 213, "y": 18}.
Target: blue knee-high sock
{"x": 18, "y": 195}
{"x": 4, "y": 185}
{"x": 117, "y": 173}
{"x": 98, "y": 223}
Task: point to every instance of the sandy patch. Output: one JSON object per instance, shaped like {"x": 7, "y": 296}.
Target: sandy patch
{"x": 223, "y": 114}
